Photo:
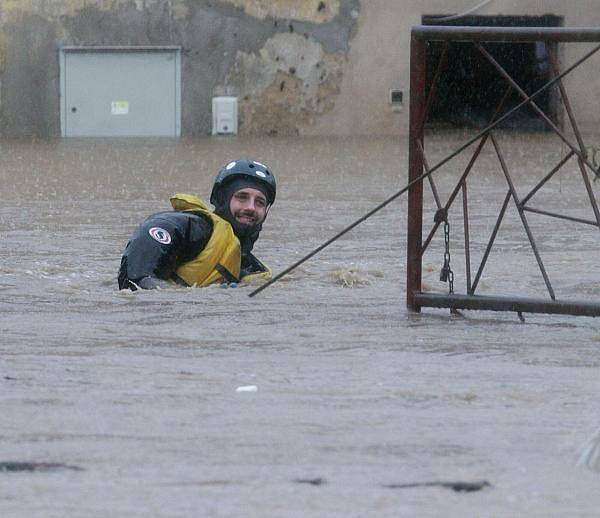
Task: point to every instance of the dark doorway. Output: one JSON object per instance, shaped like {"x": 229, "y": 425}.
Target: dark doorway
{"x": 470, "y": 88}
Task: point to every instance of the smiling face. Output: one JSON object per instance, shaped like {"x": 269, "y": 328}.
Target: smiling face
{"x": 248, "y": 206}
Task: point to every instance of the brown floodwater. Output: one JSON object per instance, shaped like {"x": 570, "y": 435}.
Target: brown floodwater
{"x": 140, "y": 389}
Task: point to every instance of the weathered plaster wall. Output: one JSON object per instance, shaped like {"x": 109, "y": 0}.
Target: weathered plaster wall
{"x": 286, "y": 85}
{"x": 318, "y": 11}
{"x": 28, "y": 77}
{"x": 283, "y": 58}
{"x": 308, "y": 67}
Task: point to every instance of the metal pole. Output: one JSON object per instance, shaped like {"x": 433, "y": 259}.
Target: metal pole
{"x": 434, "y": 190}
{"x": 434, "y": 82}
{"x": 467, "y": 170}
{"x": 522, "y": 34}
{"x": 541, "y": 183}
{"x": 516, "y": 108}
{"x": 415, "y": 169}
{"x": 490, "y": 244}
{"x": 560, "y": 216}
{"x": 516, "y": 304}
{"x": 540, "y": 112}
{"x": 515, "y": 197}
{"x": 465, "y": 203}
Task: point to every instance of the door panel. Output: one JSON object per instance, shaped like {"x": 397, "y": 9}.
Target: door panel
{"x": 121, "y": 93}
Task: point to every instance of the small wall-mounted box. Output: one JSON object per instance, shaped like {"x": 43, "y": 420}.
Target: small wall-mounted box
{"x": 225, "y": 115}
{"x": 396, "y": 98}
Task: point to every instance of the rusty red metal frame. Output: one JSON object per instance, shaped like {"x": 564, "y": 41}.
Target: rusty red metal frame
{"x": 419, "y": 167}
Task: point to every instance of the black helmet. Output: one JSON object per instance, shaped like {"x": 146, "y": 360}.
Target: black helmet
{"x": 244, "y": 169}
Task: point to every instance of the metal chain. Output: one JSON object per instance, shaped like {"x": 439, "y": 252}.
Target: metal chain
{"x": 593, "y": 151}
{"x": 447, "y": 275}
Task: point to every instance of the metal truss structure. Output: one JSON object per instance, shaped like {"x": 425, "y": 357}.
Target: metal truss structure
{"x": 420, "y": 170}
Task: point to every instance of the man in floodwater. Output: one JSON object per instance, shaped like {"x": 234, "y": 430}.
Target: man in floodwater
{"x": 193, "y": 245}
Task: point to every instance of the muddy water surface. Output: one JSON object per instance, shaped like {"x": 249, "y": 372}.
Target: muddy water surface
{"x": 139, "y": 389}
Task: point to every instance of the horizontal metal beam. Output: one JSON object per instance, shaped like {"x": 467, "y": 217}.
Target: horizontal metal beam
{"x": 448, "y": 33}
{"x": 514, "y": 304}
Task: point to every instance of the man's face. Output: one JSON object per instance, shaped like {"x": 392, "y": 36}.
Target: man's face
{"x": 248, "y": 206}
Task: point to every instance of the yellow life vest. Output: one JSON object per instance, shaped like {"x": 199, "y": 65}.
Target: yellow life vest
{"x": 222, "y": 253}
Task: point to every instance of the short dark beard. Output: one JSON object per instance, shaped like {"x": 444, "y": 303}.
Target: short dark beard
{"x": 247, "y": 234}
{"x": 241, "y": 230}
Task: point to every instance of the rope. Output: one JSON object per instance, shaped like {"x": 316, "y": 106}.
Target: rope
{"x": 461, "y": 15}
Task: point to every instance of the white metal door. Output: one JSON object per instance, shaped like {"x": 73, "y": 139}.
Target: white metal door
{"x": 120, "y": 92}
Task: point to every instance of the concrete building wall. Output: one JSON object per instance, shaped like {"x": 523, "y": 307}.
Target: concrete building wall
{"x": 308, "y": 67}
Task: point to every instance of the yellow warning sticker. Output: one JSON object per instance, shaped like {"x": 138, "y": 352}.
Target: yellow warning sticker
{"x": 120, "y": 107}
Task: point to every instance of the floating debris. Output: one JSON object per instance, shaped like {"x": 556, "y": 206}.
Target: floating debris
{"x": 15, "y": 466}
{"x": 318, "y": 481}
{"x": 590, "y": 456}
{"x": 459, "y": 487}
{"x": 593, "y": 153}
{"x": 247, "y": 388}
{"x": 350, "y": 278}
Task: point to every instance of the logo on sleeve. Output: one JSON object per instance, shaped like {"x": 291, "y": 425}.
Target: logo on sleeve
{"x": 160, "y": 235}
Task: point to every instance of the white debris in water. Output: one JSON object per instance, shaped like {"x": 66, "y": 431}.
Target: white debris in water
{"x": 590, "y": 455}
{"x": 247, "y": 388}
{"x": 350, "y": 278}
